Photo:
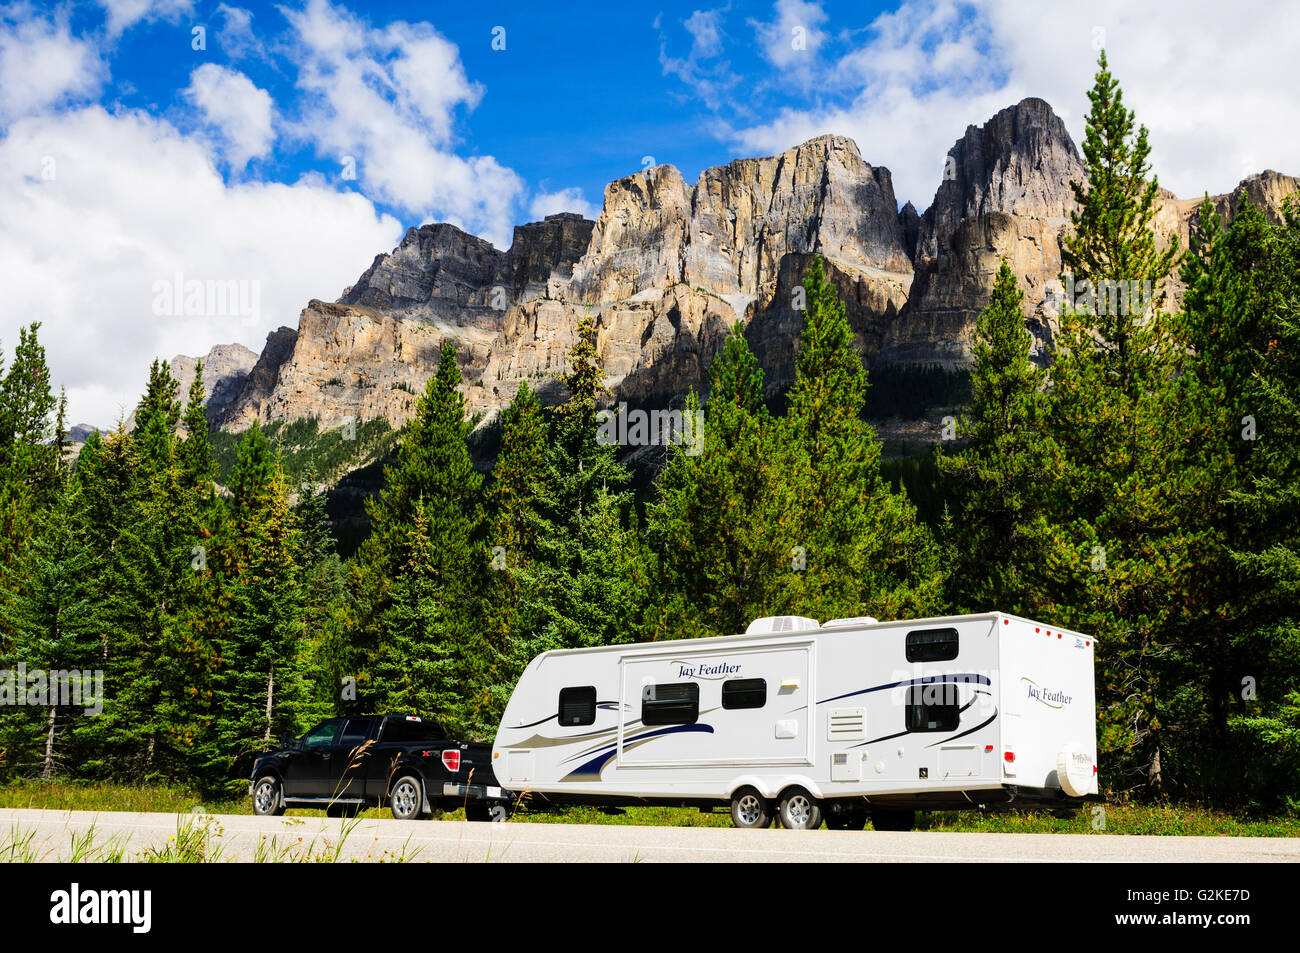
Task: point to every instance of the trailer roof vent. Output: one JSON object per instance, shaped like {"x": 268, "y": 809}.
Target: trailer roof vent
{"x": 847, "y": 623}
{"x": 780, "y": 623}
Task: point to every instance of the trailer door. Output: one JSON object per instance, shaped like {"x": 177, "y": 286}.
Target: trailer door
{"x": 737, "y": 706}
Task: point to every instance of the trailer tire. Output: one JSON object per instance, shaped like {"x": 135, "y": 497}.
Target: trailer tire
{"x": 406, "y": 799}
{"x": 893, "y": 819}
{"x": 750, "y": 810}
{"x": 798, "y": 810}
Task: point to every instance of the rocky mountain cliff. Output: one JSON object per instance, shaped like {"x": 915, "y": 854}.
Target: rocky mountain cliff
{"x": 668, "y": 267}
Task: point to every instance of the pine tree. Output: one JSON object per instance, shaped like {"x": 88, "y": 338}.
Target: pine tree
{"x": 861, "y": 545}
{"x": 512, "y": 501}
{"x": 722, "y": 531}
{"x": 579, "y": 593}
{"x": 1113, "y": 370}
{"x": 999, "y": 483}
{"x": 435, "y": 480}
{"x": 254, "y": 622}
{"x": 29, "y": 464}
{"x": 55, "y": 614}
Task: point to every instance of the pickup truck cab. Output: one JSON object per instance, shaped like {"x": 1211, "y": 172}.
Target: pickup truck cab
{"x": 345, "y": 765}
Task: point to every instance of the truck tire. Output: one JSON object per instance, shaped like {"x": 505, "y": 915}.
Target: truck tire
{"x": 268, "y": 797}
{"x": 406, "y": 800}
{"x": 749, "y": 809}
{"x": 799, "y": 810}
{"x": 892, "y": 819}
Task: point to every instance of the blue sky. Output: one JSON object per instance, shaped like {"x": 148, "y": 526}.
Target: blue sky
{"x": 305, "y": 136}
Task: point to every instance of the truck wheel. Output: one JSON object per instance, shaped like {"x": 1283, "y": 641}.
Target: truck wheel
{"x": 268, "y": 799}
{"x": 799, "y": 810}
{"x": 407, "y": 798}
{"x": 749, "y": 809}
{"x": 893, "y": 819}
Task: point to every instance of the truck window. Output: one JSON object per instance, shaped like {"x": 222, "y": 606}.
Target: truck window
{"x": 578, "y": 705}
{"x": 933, "y": 707}
{"x": 323, "y": 734}
{"x": 932, "y": 645}
{"x": 400, "y": 730}
{"x": 673, "y": 704}
{"x": 744, "y": 693}
{"x": 355, "y": 732}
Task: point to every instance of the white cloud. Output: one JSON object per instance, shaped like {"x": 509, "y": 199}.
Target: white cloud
{"x": 236, "y": 37}
{"x": 565, "y": 200}
{"x": 132, "y": 202}
{"x": 121, "y": 15}
{"x": 791, "y": 41}
{"x": 1215, "y": 91}
{"x": 710, "y": 78}
{"x": 239, "y": 110}
{"x": 388, "y": 99}
{"x": 43, "y": 65}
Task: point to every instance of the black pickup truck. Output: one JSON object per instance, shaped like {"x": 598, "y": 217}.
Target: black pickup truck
{"x": 345, "y": 765}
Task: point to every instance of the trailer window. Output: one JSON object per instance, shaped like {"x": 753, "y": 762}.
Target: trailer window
{"x": 578, "y": 705}
{"x": 744, "y": 693}
{"x": 932, "y": 645}
{"x": 674, "y": 704}
{"x": 933, "y": 707}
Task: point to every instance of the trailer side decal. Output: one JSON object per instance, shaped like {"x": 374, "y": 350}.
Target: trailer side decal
{"x": 597, "y": 764}
{"x": 961, "y": 678}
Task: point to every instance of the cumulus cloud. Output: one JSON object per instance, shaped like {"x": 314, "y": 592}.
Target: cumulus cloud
{"x": 1216, "y": 92}
{"x": 43, "y": 65}
{"x": 235, "y": 35}
{"x": 565, "y": 200}
{"x": 791, "y": 41}
{"x": 383, "y": 103}
{"x": 702, "y": 69}
{"x": 239, "y": 111}
{"x": 121, "y": 15}
{"x": 131, "y": 209}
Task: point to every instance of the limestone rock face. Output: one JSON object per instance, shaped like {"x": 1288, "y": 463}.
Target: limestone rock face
{"x": 260, "y": 383}
{"x": 225, "y": 372}
{"x": 1005, "y": 193}
{"x": 669, "y": 267}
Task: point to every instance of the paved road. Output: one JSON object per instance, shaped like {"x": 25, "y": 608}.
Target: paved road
{"x": 239, "y": 837}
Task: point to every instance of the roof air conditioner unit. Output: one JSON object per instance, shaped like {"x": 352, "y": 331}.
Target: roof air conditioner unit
{"x": 780, "y": 623}
{"x": 849, "y": 623}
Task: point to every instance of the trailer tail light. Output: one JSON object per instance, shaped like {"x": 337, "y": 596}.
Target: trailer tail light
{"x": 1009, "y": 756}
{"x": 988, "y": 748}
{"x": 451, "y": 760}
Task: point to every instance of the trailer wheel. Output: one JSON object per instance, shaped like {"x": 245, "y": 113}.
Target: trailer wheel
{"x": 749, "y": 809}
{"x": 895, "y": 819}
{"x": 407, "y": 798}
{"x": 799, "y": 810}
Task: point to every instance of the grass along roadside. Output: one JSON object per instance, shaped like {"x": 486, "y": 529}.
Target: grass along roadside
{"x": 1118, "y": 818}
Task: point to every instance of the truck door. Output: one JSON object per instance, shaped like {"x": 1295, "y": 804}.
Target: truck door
{"x": 306, "y": 773}
{"x": 349, "y": 759}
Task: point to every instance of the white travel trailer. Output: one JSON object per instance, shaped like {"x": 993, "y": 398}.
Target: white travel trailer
{"x": 803, "y": 721}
